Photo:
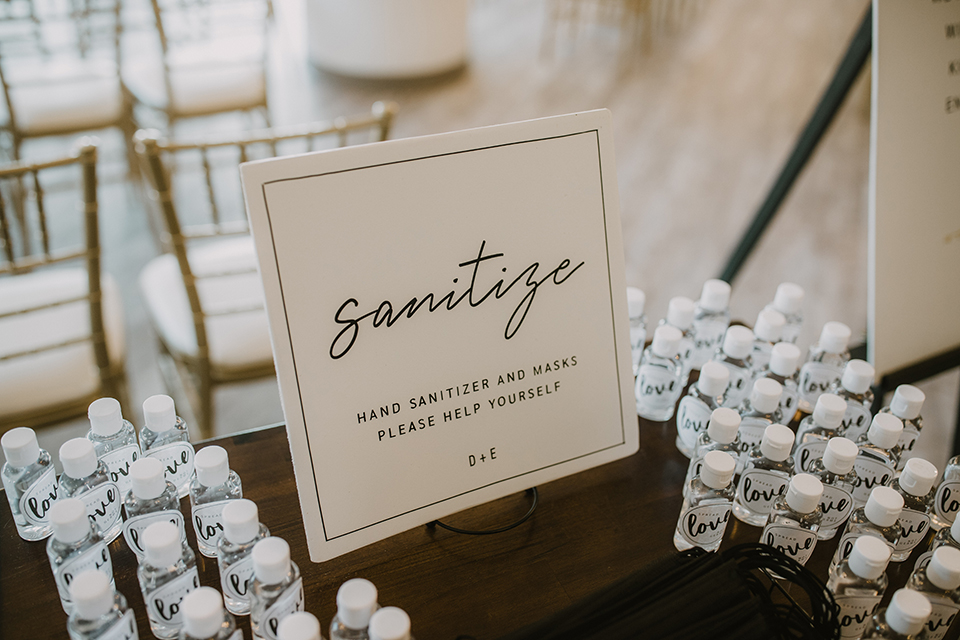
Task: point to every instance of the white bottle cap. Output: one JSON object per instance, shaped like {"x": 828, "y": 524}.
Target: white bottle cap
{"x": 834, "y": 337}
{"x": 241, "y": 520}
{"x": 869, "y": 557}
{"x": 105, "y": 417}
{"x": 804, "y": 493}
{"x": 390, "y": 623}
{"x": 944, "y": 568}
{"x": 78, "y": 458}
{"x": 883, "y": 506}
{"x": 356, "y": 602}
{"x": 147, "y": 480}
{"x": 885, "y": 430}
{"x": 161, "y": 544}
{"x": 955, "y": 529}
{"x": 68, "y": 516}
{"x": 769, "y": 325}
{"x": 713, "y": 379}
{"x": 737, "y": 342}
{"x": 857, "y": 376}
{"x": 159, "y": 413}
{"x": 784, "y": 359}
{"x": 917, "y": 477}
{"x": 666, "y": 341}
{"x": 20, "y": 447}
{"x": 840, "y": 455}
{"x": 271, "y": 560}
{"x": 907, "y": 402}
{"x": 680, "y": 312}
{"x": 908, "y": 611}
{"x": 829, "y": 411}
{"x": 202, "y": 611}
{"x": 92, "y": 594}
{"x": 717, "y": 470}
{"x": 788, "y": 299}
{"x": 636, "y": 300}
{"x": 724, "y": 425}
{"x": 765, "y": 396}
{"x": 715, "y": 295}
{"x": 777, "y": 442}
{"x": 212, "y": 465}
{"x": 299, "y": 625}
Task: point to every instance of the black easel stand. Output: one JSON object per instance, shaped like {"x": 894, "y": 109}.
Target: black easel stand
{"x": 487, "y": 532}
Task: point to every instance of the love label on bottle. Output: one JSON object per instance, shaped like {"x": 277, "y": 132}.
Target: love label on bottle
{"x": 134, "y": 527}
{"x": 870, "y": 474}
{"x": 692, "y": 419}
{"x": 36, "y": 501}
{"x": 944, "y": 611}
{"x": 923, "y": 561}
{"x": 703, "y": 525}
{"x": 856, "y": 421}
{"x": 657, "y": 388}
{"x": 836, "y": 503}
{"x": 758, "y": 489}
{"x": 163, "y": 604}
{"x": 816, "y": 379}
{"x": 913, "y": 527}
{"x": 736, "y": 388}
{"x": 845, "y": 548}
{"x": 795, "y": 543}
{"x": 237, "y": 578}
{"x": 908, "y": 438}
{"x": 103, "y": 505}
{"x": 751, "y": 432}
{"x": 96, "y": 557}
{"x": 707, "y": 337}
{"x": 118, "y": 464}
{"x": 809, "y": 452}
{"x": 123, "y": 629}
{"x": 788, "y": 403}
{"x": 855, "y": 613}
{"x": 291, "y": 601}
{"x": 947, "y": 501}
{"x": 177, "y": 461}
{"x": 208, "y": 525}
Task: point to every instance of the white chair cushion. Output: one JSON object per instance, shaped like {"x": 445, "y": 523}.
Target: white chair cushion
{"x": 59, "y": 375}
{"x": 234, "y": 340}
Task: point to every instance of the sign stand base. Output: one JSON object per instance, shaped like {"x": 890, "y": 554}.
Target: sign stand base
{"x": 533, "y": 507}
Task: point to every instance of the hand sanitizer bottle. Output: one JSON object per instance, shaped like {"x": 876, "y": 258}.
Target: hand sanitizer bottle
{"x": 30, "y": 482}
{"x": 165, "y": 437}
{"x": 940, "y": 583}
{"x": 114, "y": 439}
{"x": 767, "y": 331}
{"x": 915, "y": 484}
{"x": 99, "y": 612}
{"x": 658, "y": 382}
{"x": 211, "y": 489}
{"x": 693, "y": 413}
{"x": 151, "y": 499}
{"x": 789, "y": 301}
{"x": 277, "y": 589}
{"x": 636, "y": 300}
{"x": 879, "y": 454}
{"x": 241, "y": 531}
{"x": 735, "y": 356}
{"x": 766, "y": 473}
{"x": 390, "y": 623}
{"x": 794, "y": 520}
{"x": 721, "y": 435}
{"x": 906, "y": 404}
{"x": 878, "y": 517}
{"x": 706, "y": 505}
{"x": 903, "y": 619}
{"x": 835, "y": 471}
{"x": 205, "y": 619}
{"x": 783, "y": 369}
{"x": 680, "y": 315}
{"x": 815, "y": 430}
{"x": 825, "y": 362}
{"x": 299, "y": 625}
{"x": 949, "y": 536}
{"x": 710, "y": 321}
{"x": 854, "y": 388}
{"x": 167, "y": 574}
{"x": 74, "y": 547}
{"x": 858, "y": 584}
{"x": 87, "y": 478}
{"x": 758, "y": 412}
{"x": 947, "y": 503}
{"x": 356, "y": 603}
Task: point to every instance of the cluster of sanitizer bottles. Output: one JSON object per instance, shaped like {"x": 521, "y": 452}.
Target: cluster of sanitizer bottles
{"x": 113, "y": 484}
{"x": 843, "y": 471}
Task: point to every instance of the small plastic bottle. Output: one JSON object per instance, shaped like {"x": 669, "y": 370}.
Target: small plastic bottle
{"x": 211, "y": 489}
{"x": 825, "y": 362}
{"x": 204, "y": 617}
{"x": 947, "y": 503}
{"x": 680, "y": 315}
{"x": 693, "y": 412}
{"x": 710, "y": 321}
{"x": 241, "y": 531}
{"x": 390, "y": 623}
{"x": 903, "y": 619}
{"x": 299, "y": 625}
{"x": 906, "y": 405}
{"x": 167, "y": 574}
{"x": 782, "y": 368}
{"x": 706, "y": 505}
{"x": 794, "y": 520}
{"x": 878, "y": 517}
{"x": 854, "y": 388}
{"x": 915, "y": 484}
{"x": 636, "y": 300}
{"x": 858, "y": 584}
{"x": 165, "y": 437}
{"x": 879, "y": 454}
{"x": 151, "y": 499}
{"x": 766, "y": 474}
{"x": 30, "y": 482}
{"x": 87, "y": 478}
{"x": 735, "y": 356}
{"x": 816, "y": 429}
{"x": 659, "y": 380}
{"x": 99, "y": 612}
{"x": 114, "y": 439}
{"x": 940, "y": 583}
{"x": 767, "y": 331}
{"x": 948, "y": 536}
{"x": 789, "y": 301}
{"x": 277, "y": 589}
{"x": 758, "y": 412}
{"x": 356, "y": 604}
{"x": 835, "y": 471}
{"x": 722, "y": 434}
{"x": 75, "y": 547}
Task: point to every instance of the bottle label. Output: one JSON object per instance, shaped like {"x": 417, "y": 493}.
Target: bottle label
{"x": 809, "y": 452}
{"x": 795, "y": 543}
{"x": 657, "y": 388}
{"x": 846, "y": 545}
{"x": 855, "y": 613}
{"x": 913, "y": 527}
{"x": 943, "y": 615}
{"x": 758, "y": 489}
{"x": 208, "y": 522}
{"x": 908, "y": 438}
{"x": 123, "y": 629}
{"x": 290, "y": 602}
{"x": 816, "y": 379}
{"x": 870, "y": 474}
{"x": 134, "y": 527}
{"x": 103, "y": 505}
{"x": 751, "y": 433}
{"x": 118, "y": 464}
{"x": 707, "y": 336}
{"x": 163, "y": 604}
{"x": 736, "y": 389}
{"x": 856, "y": 420}
{"x": 947, "y": 502}
{"x": 788, "y": 403}
{"x": 96, "y": 557}
{"x": 923, "y": 560}
{"x": 837, "y": 505}
{"x": 177, "y": 461}
{"x": 237, "y": 578}
{"x": 693, "y": 416}
{"x": 703, "y": 525}
{"x": 36, "y": 501}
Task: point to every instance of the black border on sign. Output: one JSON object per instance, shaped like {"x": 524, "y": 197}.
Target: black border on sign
{"x": 293, "y": 359}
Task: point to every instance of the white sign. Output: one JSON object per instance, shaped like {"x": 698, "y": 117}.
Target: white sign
{"x": 448, "y": 317}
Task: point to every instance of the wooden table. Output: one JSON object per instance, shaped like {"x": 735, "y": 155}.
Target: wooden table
{"x": 589, "y": 530}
